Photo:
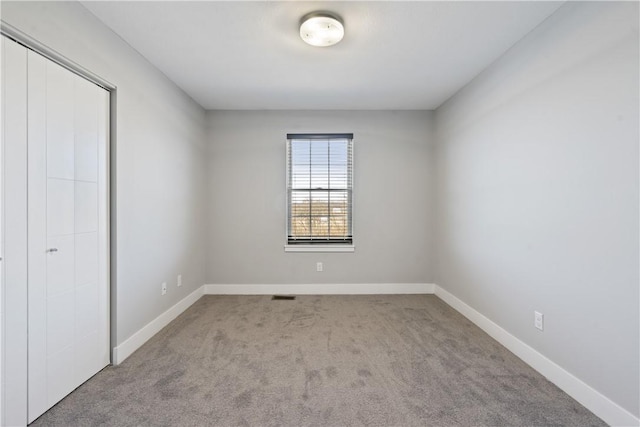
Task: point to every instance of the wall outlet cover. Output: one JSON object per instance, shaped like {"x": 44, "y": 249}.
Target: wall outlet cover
{"x": 538, "y": 320}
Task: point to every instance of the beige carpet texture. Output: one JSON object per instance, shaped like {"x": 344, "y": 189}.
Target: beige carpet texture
{"x": 375, "y": 360}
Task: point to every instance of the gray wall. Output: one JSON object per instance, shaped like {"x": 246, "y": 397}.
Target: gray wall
{"x": 160, "y": 160}
{"x": 538, "y": 194}
{"x": 392, "y": 192}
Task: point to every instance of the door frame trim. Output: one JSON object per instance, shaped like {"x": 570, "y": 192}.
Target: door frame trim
{"x": 44, "y": 50}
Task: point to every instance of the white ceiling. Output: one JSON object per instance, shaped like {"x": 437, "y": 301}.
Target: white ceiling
{"x": 248, "y": 55}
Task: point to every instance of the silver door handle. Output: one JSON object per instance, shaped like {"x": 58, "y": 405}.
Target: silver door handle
{"x": 52, "y": 250}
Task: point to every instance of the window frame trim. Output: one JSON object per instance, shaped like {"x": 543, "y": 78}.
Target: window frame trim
{"x": 324, "y": 246}
{"x": 320, "y": 248}
{"x": 320, "y": 136}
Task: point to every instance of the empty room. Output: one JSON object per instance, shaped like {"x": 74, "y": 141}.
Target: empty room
{"x": 320, "y": 213}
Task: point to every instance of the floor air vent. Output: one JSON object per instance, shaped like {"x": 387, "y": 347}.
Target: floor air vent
{"x": 283, "y": 297}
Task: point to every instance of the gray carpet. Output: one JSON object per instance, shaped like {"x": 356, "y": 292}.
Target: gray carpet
{"x": 401, "y": 360}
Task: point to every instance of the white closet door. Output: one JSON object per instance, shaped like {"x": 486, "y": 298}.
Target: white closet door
{"x": 14, "y": 206}
{"x": 68, "y": 223}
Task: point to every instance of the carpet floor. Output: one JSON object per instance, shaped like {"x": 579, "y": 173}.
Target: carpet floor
{"x": 375, "y": 360}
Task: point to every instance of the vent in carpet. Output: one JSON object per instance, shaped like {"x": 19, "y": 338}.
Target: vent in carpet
{"x": 283, "y": 297}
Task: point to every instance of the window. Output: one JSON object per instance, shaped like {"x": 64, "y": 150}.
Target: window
{"x": 319, "y": 189}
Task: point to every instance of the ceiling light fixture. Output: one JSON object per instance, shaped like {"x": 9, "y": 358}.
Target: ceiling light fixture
{"x": 321, "y": 29}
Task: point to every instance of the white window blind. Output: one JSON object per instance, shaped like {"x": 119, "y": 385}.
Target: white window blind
{"x": 319, "y": 188}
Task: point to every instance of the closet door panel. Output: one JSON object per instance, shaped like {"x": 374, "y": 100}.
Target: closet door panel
{"x": 88, "y": 355}
{"x": 86, "y": 207}
{"x": 60, "y": 206}
{"x": 60, "y": 265}
{"x": 38, "y": 242}
{"x": 86, "y": 131}
{"x": 60, "y": 322}
{"x": 14, "y": 264}
{"x": 86, "y": 318}
{"x": 60, "y": 122}
{"x": 72, "y": 322}
{"x": 86, "y": 265}
{"x": 60, "y": 377}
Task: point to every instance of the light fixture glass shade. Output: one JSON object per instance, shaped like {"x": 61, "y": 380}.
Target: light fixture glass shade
{"x": 321, "y": 29}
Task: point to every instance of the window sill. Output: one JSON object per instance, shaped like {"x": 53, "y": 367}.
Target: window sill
{"x": 319, "y": 248}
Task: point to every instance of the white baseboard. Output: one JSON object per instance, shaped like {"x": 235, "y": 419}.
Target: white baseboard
{"x": 596, "y": 402}
{"x": 124, "y": 350}
{"x": 321, "y": 289}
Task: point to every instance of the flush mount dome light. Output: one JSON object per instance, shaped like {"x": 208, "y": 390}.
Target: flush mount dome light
{"x": 321, "y": 29}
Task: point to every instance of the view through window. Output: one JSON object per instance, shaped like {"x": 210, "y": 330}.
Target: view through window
{"x": 319, "y": 188}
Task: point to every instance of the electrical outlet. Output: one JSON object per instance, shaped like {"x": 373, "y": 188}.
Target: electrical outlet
{"x": 538, "y": 320}
{"x": 319, "y": 266}
{"x": 179, "y": 279}
{"x": 164, "y": 288}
